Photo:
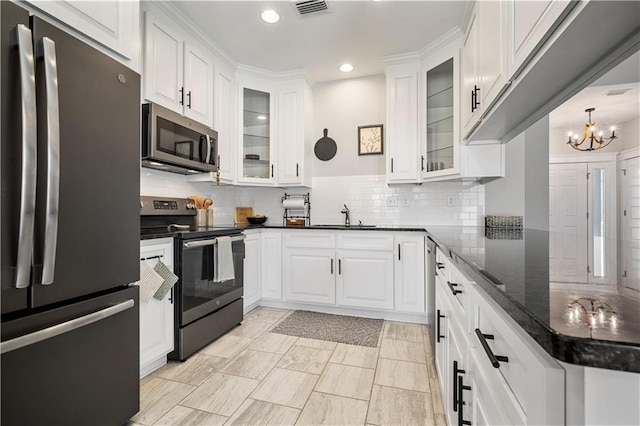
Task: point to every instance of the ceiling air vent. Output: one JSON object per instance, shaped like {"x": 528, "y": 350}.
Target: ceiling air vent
{"x": 310, "y": 7}
{"x": 617, "y": 92}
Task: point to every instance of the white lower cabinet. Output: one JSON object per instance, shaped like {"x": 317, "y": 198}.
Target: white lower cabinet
{"x": 271, "y": 264}
{"x": 365, "y": 279}
{"x": 310, "y": 275}
{"x": 522, "y": 385}
{"x": 409, "y": 273}
{"x": 156, "y": 316}
{"x": 252, "y": 270}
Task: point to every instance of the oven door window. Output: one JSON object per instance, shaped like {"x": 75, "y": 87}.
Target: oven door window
{"x": 201, "y": 295}
{"x": 180, "y": 141}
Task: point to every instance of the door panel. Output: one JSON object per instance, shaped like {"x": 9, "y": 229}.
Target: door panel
{"x": 568, "y": 222}
{"x": 310, "y": 275}
{"x": 98, "y": 226}
{"x": 12, "y": 299}
{"x": 631, "y": 224}
{"x": 365, "y": 279}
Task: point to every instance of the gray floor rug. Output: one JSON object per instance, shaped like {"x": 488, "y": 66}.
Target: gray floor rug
{"x": 333, "y": 328}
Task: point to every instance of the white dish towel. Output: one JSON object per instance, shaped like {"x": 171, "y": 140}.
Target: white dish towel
{"x": 223, "y": 262}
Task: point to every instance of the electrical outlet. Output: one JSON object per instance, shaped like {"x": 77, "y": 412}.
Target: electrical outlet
{"x": 392, "y": 201}
{"x": 406, "y": 201}
{"x": 451, "y": 201}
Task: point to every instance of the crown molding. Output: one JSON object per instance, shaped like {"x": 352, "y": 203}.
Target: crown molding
{"x": 188, "y": 25}
{"x": 455, "y": 34}
{"x": 272, "y": 75}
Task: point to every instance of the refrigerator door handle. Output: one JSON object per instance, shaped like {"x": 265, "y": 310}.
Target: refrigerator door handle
{"x": 53, "y": 160}
{"x": 65, "y": 327}
{"x": 29, "y": 156}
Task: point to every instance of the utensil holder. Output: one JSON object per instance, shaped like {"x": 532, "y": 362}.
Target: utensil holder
{"x": 201, "y": 218}
{"x": 209, "y": 217}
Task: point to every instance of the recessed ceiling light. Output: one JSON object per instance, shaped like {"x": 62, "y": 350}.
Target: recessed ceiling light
{"x": 346, "y": 67}
{"x": 270, "y": 16}
{"x": 261, "y": 117}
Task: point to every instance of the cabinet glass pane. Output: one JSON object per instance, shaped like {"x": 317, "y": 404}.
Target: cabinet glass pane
{"x": 599, "y": 223}
{"x": 440, "y": 117}
{"x": 255, "y": 135}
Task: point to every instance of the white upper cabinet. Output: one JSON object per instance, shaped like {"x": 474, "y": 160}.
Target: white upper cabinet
{"x": 114, "y": 23}
{"x": 402, "y": 123}
{"x": 484, "y": 71}
{"x": 198, "y": 84}
{"x": 528, "y": 25}
{"x": 293, "y": 113}
{"x": 178, "y": 73}
{"x": 275, "y": 120}
{"x": 224, "y": 122}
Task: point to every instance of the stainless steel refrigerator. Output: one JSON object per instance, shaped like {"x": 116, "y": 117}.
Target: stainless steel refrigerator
{"x": 69, "y": 162}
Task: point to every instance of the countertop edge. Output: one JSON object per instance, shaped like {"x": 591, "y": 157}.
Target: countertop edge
{"x": 611, "y": 355}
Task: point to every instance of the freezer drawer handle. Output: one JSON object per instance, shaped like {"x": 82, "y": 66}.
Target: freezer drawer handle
{"x": 65, "y": 327}
{"x": 53, "y": 160}
{"x": 29, "y": 157}
{"x": 494, "y": 359}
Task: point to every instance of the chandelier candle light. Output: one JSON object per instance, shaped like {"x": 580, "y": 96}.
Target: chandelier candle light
{"x": 589, "y": 133}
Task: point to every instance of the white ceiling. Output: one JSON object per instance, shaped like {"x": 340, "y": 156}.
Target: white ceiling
{"x": 358, "y": 32}
{"x": 610, "y": 110}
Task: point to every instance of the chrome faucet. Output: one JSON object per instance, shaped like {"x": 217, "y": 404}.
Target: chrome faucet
{"x": 347, "y": 221}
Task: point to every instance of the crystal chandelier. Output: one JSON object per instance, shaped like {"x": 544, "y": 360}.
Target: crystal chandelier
{"x": 589, "y": 134}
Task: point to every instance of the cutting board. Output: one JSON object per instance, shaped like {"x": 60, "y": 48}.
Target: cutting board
{"x": 241, "y": 215}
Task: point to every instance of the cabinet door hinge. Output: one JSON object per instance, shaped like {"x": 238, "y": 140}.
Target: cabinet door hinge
{"x": 624, "y": 212}
{"x": 624, "y": 171}
{"x": 625, "y": 274}
{"x": 588, "y": 269}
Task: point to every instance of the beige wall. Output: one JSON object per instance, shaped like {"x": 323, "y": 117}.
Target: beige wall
{"x": 341, "y": 106}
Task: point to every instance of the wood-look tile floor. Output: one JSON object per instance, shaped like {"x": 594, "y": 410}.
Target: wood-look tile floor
{"x": 253, "y": 377}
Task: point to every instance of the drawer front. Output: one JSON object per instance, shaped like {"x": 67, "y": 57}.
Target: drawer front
{"x": 499, "y": 341}
{"x": 311, "y": 239}
{"x": 490, "y": 402}
{"x": 441, "y": 267}
{"x": 363, "y": 240}
{"x": 458, "y": 287}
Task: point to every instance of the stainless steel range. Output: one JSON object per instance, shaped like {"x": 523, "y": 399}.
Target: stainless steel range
{"x": 205, "y": 309}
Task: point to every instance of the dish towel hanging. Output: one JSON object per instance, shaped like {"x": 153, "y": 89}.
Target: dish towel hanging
{"x": 149, "y": 282}
{"x": 223, "y": 262}
{"x": 170, "y": 279}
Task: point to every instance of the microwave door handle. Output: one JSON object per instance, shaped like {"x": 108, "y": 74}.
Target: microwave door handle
{"x": 29, "y": 156}
{"x": 53, "y": 160}
{"x": 208, "y": 158}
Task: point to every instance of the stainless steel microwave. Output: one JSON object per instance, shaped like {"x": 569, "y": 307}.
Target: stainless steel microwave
{"x": 177, "y": 144}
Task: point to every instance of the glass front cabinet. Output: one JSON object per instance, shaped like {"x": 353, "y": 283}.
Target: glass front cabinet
{"x": 256, "y": 158}
{"x": 440, "y": 140}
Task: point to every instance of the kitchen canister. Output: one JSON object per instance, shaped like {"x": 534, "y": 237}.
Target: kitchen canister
{"x": 209, "y": 217}
{"x": 201, "y": 218}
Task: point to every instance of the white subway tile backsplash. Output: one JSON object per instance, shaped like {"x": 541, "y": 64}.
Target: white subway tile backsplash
{"x": 366, "y": 196}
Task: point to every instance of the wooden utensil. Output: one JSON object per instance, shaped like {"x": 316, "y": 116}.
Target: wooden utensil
{"x": 207, "y": 203}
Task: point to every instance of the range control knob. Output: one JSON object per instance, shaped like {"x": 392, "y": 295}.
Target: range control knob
{"x": 191, "y": 206}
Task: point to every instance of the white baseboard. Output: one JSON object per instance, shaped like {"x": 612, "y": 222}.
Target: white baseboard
{"x": 419, "y": 318}
{"x": 152, "y": 366}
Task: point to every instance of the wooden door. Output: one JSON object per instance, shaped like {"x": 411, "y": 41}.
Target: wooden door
{"x": 631, "y": 224}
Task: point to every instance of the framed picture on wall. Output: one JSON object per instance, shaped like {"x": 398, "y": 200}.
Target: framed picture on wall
{"x": 370, "y": 139}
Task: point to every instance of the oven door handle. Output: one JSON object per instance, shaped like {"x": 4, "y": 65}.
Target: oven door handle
{"x": 211, "y": 242}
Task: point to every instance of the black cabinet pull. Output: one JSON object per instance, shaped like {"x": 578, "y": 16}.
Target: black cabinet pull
{"x": 440, "y": 265}
{"x": 422, "y": 162}
{"x": 331, "y": 266}
{"x": 456, "y": 371}
{"x": 189, "y": 98}
{"x": 451, "y": 287}
{"x": 392, "y": 165}
{"x": 438, "y": 335}
{"x": 181, "y": 95}
{"x": 494, "y": 359}
{"x": 297, "y": 167}
{"x": 339, "y": 266}
{"x": 272, "y": 170}
{"x": 399, "y": 258}
{"x": 461, "y": 403}
{"x": 475, "y": 103}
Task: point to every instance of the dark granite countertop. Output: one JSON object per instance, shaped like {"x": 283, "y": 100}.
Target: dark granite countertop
{"x": 513, "y": 269}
